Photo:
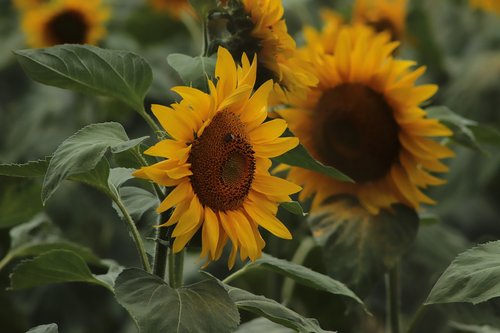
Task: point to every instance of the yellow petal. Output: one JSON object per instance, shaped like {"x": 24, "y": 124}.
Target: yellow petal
{"x": 270, "y": 185}
{"x": 174, "y": 125}
{"x": 190, "y": 219}
{"x": 245, "y": 234}
{"x": 268, "y": 131}
{"x": 165, "y": 148}
{"x": 268, "y": 222}
{"x": 276, "y": 147}
{"x": 178, "y": 194}
{"x": 179, "y": 172}
{"x": 211, "y": 224}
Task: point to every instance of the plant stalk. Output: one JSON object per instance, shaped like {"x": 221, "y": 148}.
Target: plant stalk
{"x": 175, "y": 268}
{"x": 154, "y": 126}
{"x": 416, "y": 318}
{"x": 393, "y": 300}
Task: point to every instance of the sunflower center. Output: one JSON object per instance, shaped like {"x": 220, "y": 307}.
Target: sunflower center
{"x": 223, "y": 163}
{"x": 355, "y": 132}
{"x": 69, "y": 27}
{"x": 385, "y": 25}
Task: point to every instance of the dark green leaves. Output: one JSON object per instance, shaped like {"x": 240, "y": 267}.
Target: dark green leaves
{"x": 88, "y": 69}
{"x": 156, "y": 307}
{"x": 472, "y": 277}
{"x": 83, "y": 151}
{"x": 359, "y": 248}
{"x": 55, "y": 266}
{"x": 299, "y": 157}
{"x": 293, "y": 207}
{"x": 194, "y": 71}
{"x": 49, "y": 328}
{"x": 273, "y": 311}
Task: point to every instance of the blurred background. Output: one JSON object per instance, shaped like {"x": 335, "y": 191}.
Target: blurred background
{"x": 460, "y": 45}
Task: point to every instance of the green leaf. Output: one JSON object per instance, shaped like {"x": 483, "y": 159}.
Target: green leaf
{"x": 193, "y": 71}
{"x": 261, "y": 325}
{"x": 91, "y": 70}
{"x": 19, "y": 201}
{"x": 293, "y": 207}
{"x": 30, "y": 169}
{"x": 300, "y": 157}
{"x": 273, "y": 311}
{"x": 138, "y": 201}
{"x": 304, "y": 276}
{"x": 358, "y": 248}
{"x": 49, "y": 328}
{"x": 474, "y": 328}
{"x": 83, "y": 151}
{"x": 55, "y": 266}
{"x": 156, "y": 307}
{"x": 472, "y": 277}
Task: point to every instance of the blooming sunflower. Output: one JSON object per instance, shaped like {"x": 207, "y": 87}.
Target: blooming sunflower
{"x": 382, "y": 15}
{"x": 173, "y": 7}
{"x": 324, "y": 41}
{"x": 218, "y": 161}
{"x": 488, "y": 5}
{"x": 65, "y": 21}
{"x": 364, "y": 118}
{"x": 264, "y": 32}
{"x": 27, "y": 4}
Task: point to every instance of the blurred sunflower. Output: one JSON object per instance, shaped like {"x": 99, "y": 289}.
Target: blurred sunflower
{"x": 382, "y": 15}
{"x": 324, "y": 41}
{"x": 364, "y": 119}
{"x": 487, "y": 5}
{"x": 65, "y": 21}
{"x": 258, "y": 27}
{"x": 218, "y": 161}
{"x": 27, "y": 4}
{"x": 173, "y": 7}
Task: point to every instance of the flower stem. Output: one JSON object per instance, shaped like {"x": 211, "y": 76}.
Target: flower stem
{"x": 154, "y": 126}
{"x": 135, "y": 234}
{"x": 393, "y": 299}
{"x": 416, "y": 318}
{"x": 235, "y": 275}
{"x": 161, "y": 248}
{"x": 175, "y": 268}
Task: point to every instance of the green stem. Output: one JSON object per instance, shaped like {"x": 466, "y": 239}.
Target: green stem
{"x": 393, "y": 299}
{"x": 135, "y": 234}
{"x": 154, "y": 126}
{"x": 175, "y": 268}
{"x": 5, "y": 260}
{"x": 161, "y": 248}
{"x": 235, "y": 275}
{"x": 416, "y": 318}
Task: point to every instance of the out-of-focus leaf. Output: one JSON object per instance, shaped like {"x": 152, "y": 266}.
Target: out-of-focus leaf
{"x": 49, "y": 328}
{"x": 273, "y": 311}
{"x": 261, "y": 325}
{"x": 83, "y": 151}
{"x": 55, "y": 266}
{"x": 194, "y": 71}
{"x": 304, "y": 276}
{"x": 89, "y": 69}
{"x": 359, "y": 248}
{"x": 19, "y": 201}
{"x": 293, "y": 207}
{"x": 300, "y": 157}
{"x": 156, "y": 307}
{"x": 474, "y": 328}
{"x": 427, "y": 218}
{"x": 472, "y": 277}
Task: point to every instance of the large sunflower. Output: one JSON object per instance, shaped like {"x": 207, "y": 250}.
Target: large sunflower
{"x": 173, "y": 7}
{"x": 324, "y": 41}
{"x": 382, "y": 15}
{"x": 218, "y": 161}
{"x": 364, "y": 118}
{"x": 65, "y": 21}
{"x": 487, "y": 5}
{"x": 263, "y": 31}
{"x": 27, "y": 4}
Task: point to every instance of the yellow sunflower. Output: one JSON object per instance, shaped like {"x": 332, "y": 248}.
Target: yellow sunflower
{"x": 65, "y": 21}
{"x": 218, "y": 161}
{"x": 324, "y": 41}
{"x": 364, "y": 119}
{"x": 27, "y": 4}
{"x": 173, "y": 7}
{"x": 488, "y": 5}
{"x": 277, "y": 50}
{"x": 382, "y": 15}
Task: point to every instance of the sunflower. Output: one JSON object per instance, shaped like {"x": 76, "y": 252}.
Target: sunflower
{"x": 364, "y": 118}
{"x": 382, "y": 15}
{"x": 27, "y": 4}
{"x": 218, "y": 161}
{"x": 258, "y": 27}
{"x": 324, "y": 41}
{"x": 173, "y": 7}
{"x": 487, "y": 5}
{"x": 65, "y": 21}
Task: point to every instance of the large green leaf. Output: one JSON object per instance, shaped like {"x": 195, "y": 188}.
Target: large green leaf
{"x": 19, "y": 201}
{"x": 156, "y": 307}
{"x": 303, "y": 275}
{"x": 31, "y": 169}
{"x": 138, "y": 201}
{"x": 89, "y": 69}
{"x": 273, "y": 311}
{"x": 359, "y": 248}
{"x": 55, "y": 266}
{"x": 261, "y": 325}
{"x": 472, "y": 277}
{"x": 194, "y": 71}
{"x": 83, "y": 151}
{"x": 49, "y": 328}
{"x": 300, "y": 157}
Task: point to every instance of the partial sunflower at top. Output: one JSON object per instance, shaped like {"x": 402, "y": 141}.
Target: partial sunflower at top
{"x": 364, "y": 119}
{"x": 382, "y": 15}
{"x": 258, "y": 27}
{"x": 65, "y": 22}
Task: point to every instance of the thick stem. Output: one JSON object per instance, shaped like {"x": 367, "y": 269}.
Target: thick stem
{"x": 161, "y": 249}
{"x": 393, "y": 299}
{"x": 154, "y": 126}
{"x": 135, "y": 234}
{"x": 175, "y": 268}
{"x": 416, "y": 319}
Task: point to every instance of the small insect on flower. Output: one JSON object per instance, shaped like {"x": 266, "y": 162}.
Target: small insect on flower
{"x": 217, "y": 163}
{"x": 65, "y": 21}
{"x": 364, "y": 119}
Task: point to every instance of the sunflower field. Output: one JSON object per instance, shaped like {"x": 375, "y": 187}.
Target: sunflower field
{"x": 249, "y": 166}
